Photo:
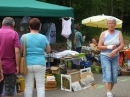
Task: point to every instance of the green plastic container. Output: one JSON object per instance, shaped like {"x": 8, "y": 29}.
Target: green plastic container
{"x": 58, "y": 79}
{"x": 96, "y": 69}
{"x": 81, "y": 55}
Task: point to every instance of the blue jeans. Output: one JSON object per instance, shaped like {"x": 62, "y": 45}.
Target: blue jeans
{"x": 109, "y": 68}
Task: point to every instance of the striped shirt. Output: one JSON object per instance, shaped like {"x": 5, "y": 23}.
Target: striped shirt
{"x": 110, "y": 39}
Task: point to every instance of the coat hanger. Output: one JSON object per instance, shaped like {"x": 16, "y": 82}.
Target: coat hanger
{"x": 67, "y": 17}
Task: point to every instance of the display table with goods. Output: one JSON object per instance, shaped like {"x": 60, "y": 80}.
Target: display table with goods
{"x": 66, "y": 77}
{"x": 67, "y": 56}
{"x": 124, "y": 61}
{"x": 61, "y": 74}
{"x": 64, "y": 64}
{"x": 125, "y": 64}
{"x": 93, "y": 56}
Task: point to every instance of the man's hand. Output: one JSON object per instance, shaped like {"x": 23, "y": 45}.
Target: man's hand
{"x": 17, "y": 70}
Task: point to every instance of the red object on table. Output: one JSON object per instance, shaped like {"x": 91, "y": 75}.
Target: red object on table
{"x": 121, "y": 58}
{"x": 127, "y": 53}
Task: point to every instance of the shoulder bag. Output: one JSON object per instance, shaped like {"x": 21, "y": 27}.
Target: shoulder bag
{"x": 23, "y": 66}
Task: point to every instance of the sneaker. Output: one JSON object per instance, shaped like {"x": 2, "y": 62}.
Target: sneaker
{"x": 109, "y": 95}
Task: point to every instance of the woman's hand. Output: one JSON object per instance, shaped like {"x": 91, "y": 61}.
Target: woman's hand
{"x": 114, "y": 47}
{"x": 113, "y": 53}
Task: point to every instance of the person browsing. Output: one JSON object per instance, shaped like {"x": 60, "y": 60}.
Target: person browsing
{"x": 9, "y": 54}
{"x": 36, "y": 46}
{"x": 79, "y": 38}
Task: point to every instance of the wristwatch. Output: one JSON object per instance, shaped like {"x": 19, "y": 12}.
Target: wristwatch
{"x": 1, "y": 71}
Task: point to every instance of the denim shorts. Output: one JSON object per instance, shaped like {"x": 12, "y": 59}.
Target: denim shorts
{"x": 109, "y": 68}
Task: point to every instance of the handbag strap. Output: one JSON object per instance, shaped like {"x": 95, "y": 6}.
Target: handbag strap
{"x": 24, "y": 45}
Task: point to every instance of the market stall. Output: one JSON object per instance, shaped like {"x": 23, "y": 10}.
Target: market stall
{"x": 124, "y": 62}
{"x": 34, "y": 8}
{"x": 20, "y": 9}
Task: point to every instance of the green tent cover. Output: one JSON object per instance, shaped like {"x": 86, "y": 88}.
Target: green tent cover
{"x": 33, "y": 8}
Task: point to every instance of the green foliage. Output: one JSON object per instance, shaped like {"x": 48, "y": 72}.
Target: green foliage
{"x": 86, "y": 8}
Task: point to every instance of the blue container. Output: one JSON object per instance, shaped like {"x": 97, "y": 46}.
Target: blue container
{"x": 87, "y": 64}
{"x": 89, "y": 56}
{"x": 82, "y": 63}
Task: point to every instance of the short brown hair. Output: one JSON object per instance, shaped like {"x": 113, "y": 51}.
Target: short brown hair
{"x": 34, "y": 24}
{"x": 77, "y": 27}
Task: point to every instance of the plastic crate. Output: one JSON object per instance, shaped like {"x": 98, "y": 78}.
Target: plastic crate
{"x": 96, "y": 69}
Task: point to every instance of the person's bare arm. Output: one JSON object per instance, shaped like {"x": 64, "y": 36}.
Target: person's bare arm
{"x": 0, "y": 65}
{"x": 48, "y": 49}
{"x": 17, "y": 56}
{"x": 101, "y": 42}
{"x": 1, "y": 72}
{"x": 121, "y": 46}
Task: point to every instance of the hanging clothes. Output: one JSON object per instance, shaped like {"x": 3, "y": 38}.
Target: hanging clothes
{"x": 53, "y": 34}
{"x": 25, "y": 20}
{"x": 50, "y": 32}
{"x": 69, "y": 44}
{"x": 66, "y": 27}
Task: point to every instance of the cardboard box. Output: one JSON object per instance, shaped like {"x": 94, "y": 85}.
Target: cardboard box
{"x": 50, "y": 84}
{"x": 75, "y": 75}
{"x": 50, "y": 78}
{"x": 59, "y": 70}
{"x": 77, "y": 80}
{"x": 76, "y": 86}
{"x": 87, "y": 80}
{"x": 72, "y": 76}
{"x": 50, "y": 88}
{"x": 85, "y": 70}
